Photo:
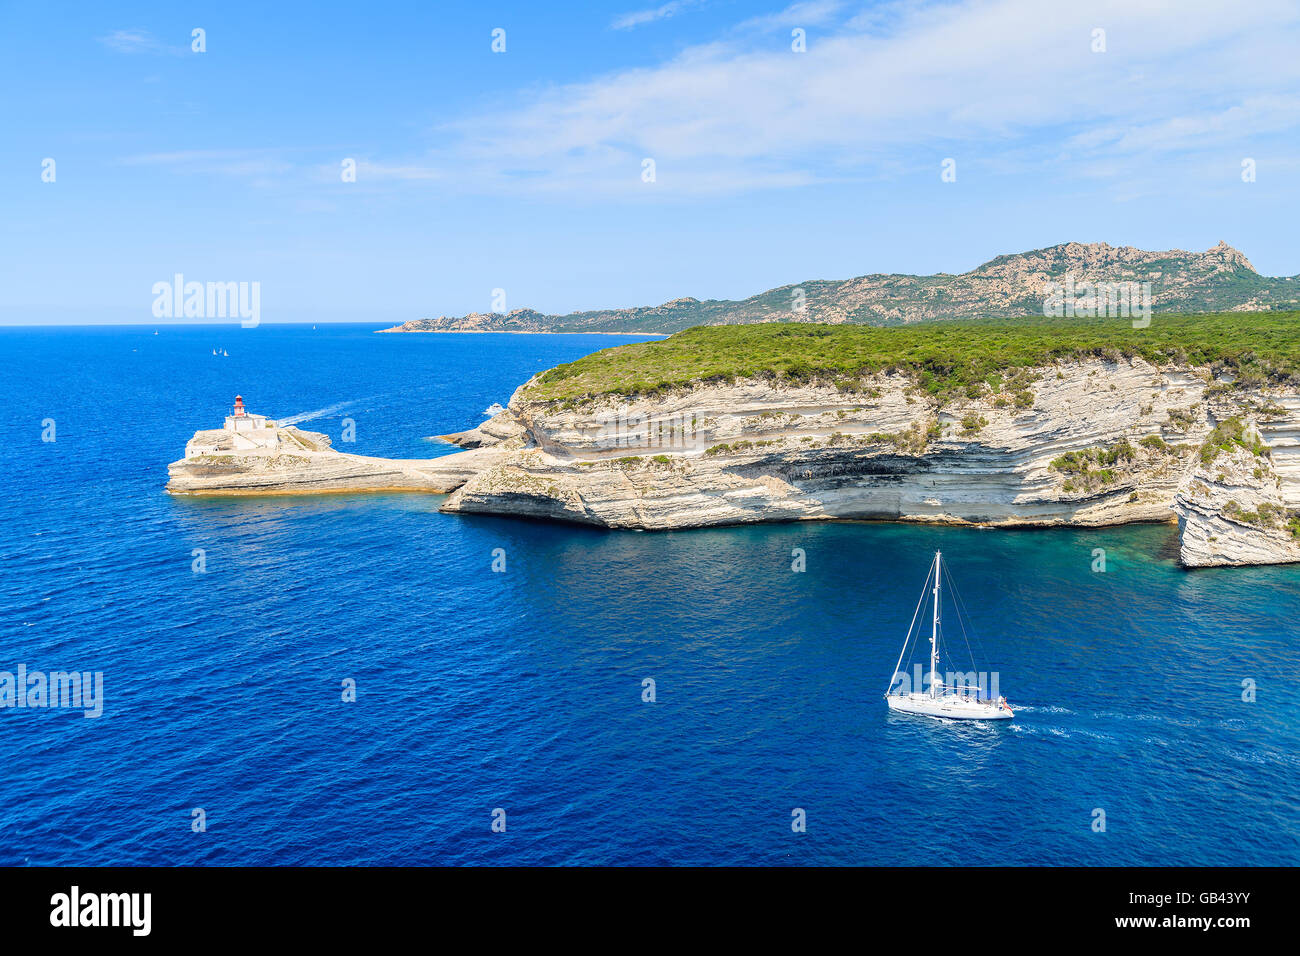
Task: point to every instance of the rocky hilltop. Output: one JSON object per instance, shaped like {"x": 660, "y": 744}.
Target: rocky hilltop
{"x": 1217, "y": 280}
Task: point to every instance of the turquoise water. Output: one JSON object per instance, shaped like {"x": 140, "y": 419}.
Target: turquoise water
{"x": 523, "y": 690}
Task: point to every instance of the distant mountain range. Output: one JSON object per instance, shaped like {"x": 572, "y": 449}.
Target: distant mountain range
{"x": 1220, "y": 279}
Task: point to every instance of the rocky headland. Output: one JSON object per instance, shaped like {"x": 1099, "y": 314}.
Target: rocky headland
{"x": 1026, "y": 430}
{"x": 289, "y": 461}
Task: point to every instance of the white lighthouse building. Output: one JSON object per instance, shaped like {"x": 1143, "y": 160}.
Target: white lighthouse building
{"x": 249, "y": 431}
{"x": 244, "y": 431}
{"x": 242, "y": 420}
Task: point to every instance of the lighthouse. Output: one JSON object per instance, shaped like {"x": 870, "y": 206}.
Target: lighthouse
{"x": 245, "y": 431}
{"x": 241, "y": 419}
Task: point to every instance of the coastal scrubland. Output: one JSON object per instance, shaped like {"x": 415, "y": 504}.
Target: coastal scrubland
{"x": 945, "y": 359}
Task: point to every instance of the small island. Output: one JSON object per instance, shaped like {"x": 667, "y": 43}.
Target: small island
{"x": 1005, "y": 423}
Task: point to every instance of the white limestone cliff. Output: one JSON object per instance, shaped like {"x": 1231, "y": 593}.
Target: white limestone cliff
{"x": 1236, "y": 509}
{"x": 1082, "y": 443}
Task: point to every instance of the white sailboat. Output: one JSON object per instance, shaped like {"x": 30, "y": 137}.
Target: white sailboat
{"x": 950, "y": 701}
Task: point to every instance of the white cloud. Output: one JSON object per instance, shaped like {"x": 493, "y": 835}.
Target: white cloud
{"x": 139, "y": 41}
{"x": 805, "y": 14}
{"x": 1007, "y": 86}
{"x": 367, "y": 171}
{"x": 969, "y": 78}
{"x": 1253, "y": 116}
{"x": 638, "y": 18}
{"x": 244, "y": 163}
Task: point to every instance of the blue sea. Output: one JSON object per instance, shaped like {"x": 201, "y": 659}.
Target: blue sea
{"x": 522, "y": 690}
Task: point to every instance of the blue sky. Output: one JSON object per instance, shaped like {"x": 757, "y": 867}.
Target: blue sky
{"x": 522, "y": 170}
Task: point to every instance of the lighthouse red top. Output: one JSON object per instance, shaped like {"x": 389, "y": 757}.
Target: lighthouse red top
{"x": 239, "y": 406}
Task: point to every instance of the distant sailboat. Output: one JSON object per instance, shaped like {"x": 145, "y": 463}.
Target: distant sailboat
{"x": 942, "y": 700}
{"x": 225, "y": 353}
{"x": 214, "y": 351}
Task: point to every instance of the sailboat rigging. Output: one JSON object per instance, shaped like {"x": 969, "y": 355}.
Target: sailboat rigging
{"x": 951, "y": 701}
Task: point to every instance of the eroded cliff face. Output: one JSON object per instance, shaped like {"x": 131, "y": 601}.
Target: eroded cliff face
{"x": 1236, "y": 511}
{"x": 1080, "y": 443}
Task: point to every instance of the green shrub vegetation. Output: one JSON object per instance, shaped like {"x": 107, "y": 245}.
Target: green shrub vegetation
{"x": 912, "y": 441}
{"x": 1181, "y": 419}
{"x": 1267, "y": 515}
{"x": 945, "y": 359}
{"x": 1079, "y": 465}
{"x": 1156, "y": 443}
{"x": 1228, "y": 434}
{"x": 1080, "y": 462}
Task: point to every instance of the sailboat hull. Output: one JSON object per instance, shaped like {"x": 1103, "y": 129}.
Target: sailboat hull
{"x": 948, "y": 707}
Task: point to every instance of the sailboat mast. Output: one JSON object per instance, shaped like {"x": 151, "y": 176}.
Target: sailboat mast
{"x": 934, "y": 632}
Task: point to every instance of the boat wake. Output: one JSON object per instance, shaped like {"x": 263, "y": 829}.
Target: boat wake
{"x": 1264, "y": 757}
{"x": 1150, "y": 718}
{"x": 319, "y": 412}
{"x": 1064, "y": 733}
